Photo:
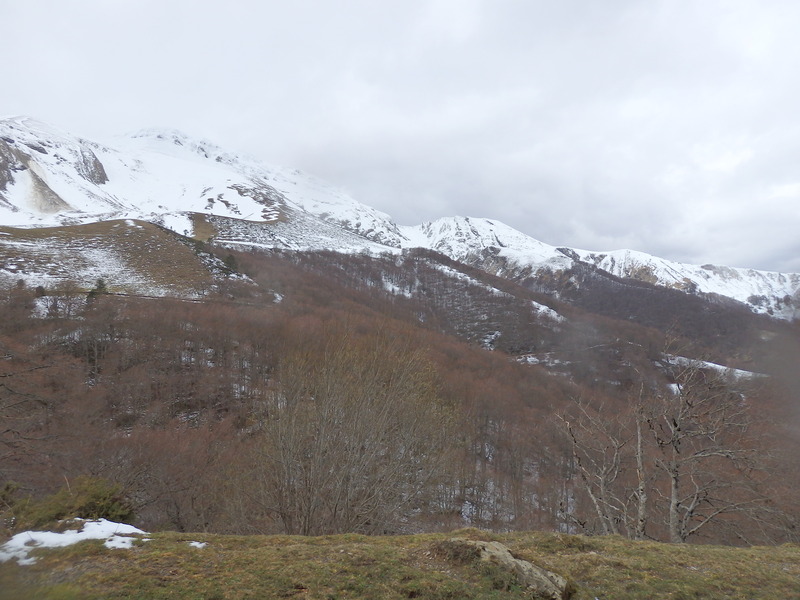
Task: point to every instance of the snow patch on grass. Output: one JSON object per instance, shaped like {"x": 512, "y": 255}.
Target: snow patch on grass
{"x": 116, "y": 535}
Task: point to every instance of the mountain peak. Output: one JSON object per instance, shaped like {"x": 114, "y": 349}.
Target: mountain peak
{"x": 161, "y": 134}
{"x": 28, "y": 128}
{"x": 468, "y": 239}
{"x": 171, "y": 140}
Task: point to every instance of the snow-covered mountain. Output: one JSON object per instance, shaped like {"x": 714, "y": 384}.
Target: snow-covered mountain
{"x": 51, "y": 178}
{"x": 48, "y": 177}
{"x": 504, "y": 251}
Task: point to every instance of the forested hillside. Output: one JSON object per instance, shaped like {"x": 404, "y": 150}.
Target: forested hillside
{"x": 327, "y": 393}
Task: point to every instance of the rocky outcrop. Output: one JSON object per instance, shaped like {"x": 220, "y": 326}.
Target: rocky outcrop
{"x": 540, "y": 583}
{"x": 89, "y": 166}
{"x": 9, "y": 162}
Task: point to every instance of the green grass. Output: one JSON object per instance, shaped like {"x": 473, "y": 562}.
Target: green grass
{"x": 396, "y": 567}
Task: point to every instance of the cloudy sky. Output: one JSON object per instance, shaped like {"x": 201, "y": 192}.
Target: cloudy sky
{"x": 667, "y": 126}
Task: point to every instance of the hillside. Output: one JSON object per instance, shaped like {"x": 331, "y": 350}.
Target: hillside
{"x": 110, "y": 387}
{"x": 197, "y": 565}
{"x": 131, "y": 256}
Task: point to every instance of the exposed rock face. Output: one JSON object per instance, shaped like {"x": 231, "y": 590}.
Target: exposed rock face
{"x": 14, "y": 158}
{"x": 89, "y": 166}
{"x": 541, "y": 583}
{"x": 9, "y": 162}
{"x": 40, "y": 196}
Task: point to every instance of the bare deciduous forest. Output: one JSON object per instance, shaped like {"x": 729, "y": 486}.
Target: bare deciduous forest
{"x": 312, "y": 401}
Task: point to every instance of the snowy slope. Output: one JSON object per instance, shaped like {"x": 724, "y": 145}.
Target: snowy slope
{"x": 131, "y": 256}
{"x": 467, "y": 239}
{"x": 48, "y": 177}
{"x": 505, "y": 251}
{"x": 764, "y": 291}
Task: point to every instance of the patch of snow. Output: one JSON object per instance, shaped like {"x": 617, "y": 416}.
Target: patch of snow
{"x": 116, "y": 535}
{"x": 490, "y": 338}
{"x": 177, "y": 222}
{"x": 548, "y": 312}
{"x": 394, "y": 289}
{"x": 722, "y": 370}
{"x": 459, "y": 275}
{"x": 547, "y": 359}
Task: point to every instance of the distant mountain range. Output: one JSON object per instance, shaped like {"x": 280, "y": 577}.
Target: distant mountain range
{"x": 52, "y": 179}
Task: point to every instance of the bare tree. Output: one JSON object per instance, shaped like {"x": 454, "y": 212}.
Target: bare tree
{"x": 683, "y": 457}
{"x": 351, "y": 438}
{"x": 21, "y": 416}
{"x": 608, "y": 457}
{"x": 700, "y": 431}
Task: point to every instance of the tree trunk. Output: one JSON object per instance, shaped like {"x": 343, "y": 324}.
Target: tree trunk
{"x": 674, "y": 504}
{"x": 641, "y": 490}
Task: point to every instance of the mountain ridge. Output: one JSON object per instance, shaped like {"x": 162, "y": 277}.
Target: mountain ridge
{"x": 48, "y": 178}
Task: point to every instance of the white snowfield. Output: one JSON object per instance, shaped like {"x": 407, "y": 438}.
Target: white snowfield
{"x": 53, "y": 178}
{"x": 116, "y": 535}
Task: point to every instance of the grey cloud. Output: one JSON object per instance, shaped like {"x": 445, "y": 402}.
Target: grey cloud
{"x": 664, "y": 126}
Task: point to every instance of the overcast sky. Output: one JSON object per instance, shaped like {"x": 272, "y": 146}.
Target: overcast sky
{"x": 667, "y": 126}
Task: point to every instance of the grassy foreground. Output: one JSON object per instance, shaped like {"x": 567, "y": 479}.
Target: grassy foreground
{"x": 351, "y": 566}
